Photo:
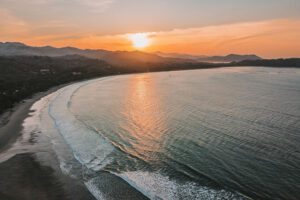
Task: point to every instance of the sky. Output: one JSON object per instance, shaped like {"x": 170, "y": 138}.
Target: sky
{"x": 268, "y": 28}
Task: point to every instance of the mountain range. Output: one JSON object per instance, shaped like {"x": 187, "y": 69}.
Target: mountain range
{"x": 120, "y": 58}
{"x": 213, "y": 59}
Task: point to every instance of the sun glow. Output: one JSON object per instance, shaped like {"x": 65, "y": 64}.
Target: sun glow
{"x": 140, "y": 40}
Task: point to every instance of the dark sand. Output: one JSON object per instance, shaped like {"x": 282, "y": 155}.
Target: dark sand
{"x": 24, "y": 177}
{"x": 10, "y": 130}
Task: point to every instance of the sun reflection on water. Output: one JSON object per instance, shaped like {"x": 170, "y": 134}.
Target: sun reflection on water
{"x": 145, "y": 123}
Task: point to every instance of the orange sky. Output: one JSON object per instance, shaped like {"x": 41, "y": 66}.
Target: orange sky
{"x": 273, "y": 38}
{"x": 267, "y": 37}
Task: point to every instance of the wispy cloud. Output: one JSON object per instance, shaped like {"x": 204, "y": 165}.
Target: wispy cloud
{"x": 10, "y": 24}
{"x": 270, "y": 38}
{"x": 33, "y": 1}
{"x": 94, "y": 5}
{"x": 99, "y": 6}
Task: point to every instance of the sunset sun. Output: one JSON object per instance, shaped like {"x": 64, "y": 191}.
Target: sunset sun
{"x": 139, "y": 40}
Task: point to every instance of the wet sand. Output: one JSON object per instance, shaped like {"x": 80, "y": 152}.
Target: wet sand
{"x": 22, "y": 176}
{"x": 13, "y": 119}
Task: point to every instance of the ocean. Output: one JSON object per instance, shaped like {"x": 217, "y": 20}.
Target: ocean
{"x": 226, "y": 133}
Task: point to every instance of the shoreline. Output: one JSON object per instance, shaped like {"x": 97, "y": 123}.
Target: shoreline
{"x": 13, "y": 119}
{"x": 25, "y": 176}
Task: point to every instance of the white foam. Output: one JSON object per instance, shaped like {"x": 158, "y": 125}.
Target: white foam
{"x": 157, "y": 186}
{"x": 87, "y": 145}
{"x": 91, "y": 185}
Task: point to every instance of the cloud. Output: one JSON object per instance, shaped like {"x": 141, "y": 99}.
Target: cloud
{"x": 96, "y": 5}
{"x": 10, "y": 24}
{"x": 93, "y": 5}
{"x": 33, "y": 1}
{"x": 270, "y": 38}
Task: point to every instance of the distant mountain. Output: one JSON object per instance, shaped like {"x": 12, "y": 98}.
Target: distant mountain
{"x": 287, "y": 62}
{"x": 121, "y": 58}
{"x": 133, "y": 58}
{"x": 214, "y": 59}
{"x": 179, "y": 55}
{"x": 230, "y": 58}
{"x": 15, "y": 48}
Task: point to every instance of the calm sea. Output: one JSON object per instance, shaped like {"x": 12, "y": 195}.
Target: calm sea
{"x": 227, "y": 133}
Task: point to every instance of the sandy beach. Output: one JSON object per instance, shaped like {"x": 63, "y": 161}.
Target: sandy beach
{"x": 12, "y": 120}
{"x": 36, "y": 174}
{"x": 22, "y": 176}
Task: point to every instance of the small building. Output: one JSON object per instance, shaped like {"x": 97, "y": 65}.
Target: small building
{"x": 76, "y": 73}
{"x": 44, "y": 71}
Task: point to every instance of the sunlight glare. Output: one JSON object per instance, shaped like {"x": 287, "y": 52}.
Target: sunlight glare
{"x": 139, "y": 40}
